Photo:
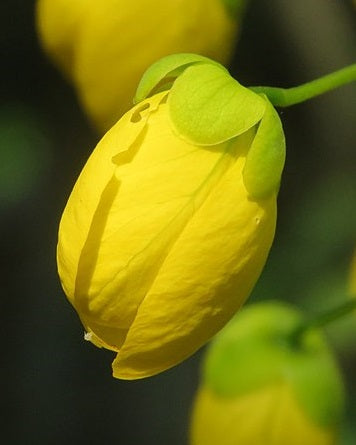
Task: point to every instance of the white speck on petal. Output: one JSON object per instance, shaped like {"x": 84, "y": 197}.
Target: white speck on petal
{"x": 88, "y": 336}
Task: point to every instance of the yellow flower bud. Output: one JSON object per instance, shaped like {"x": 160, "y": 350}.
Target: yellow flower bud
{"x": 105, "y": 46}
{"x": 262, "y": 386}
{"x": 161, "y": 241}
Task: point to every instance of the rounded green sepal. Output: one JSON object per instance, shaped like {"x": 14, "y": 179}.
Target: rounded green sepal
{"x": 256, "y": 349}
{"x": 161, "y": 74}
{"x": 266, "y": 156}
{"x": 207, "y": 106}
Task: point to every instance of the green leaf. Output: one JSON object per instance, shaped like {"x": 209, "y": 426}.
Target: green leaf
{"x": 266, "y": 156}
{"x": 165, "y": 70}
{"x": 207, "y": 106}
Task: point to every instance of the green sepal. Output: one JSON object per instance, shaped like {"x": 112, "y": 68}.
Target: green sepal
{"x": 266, "y": 156}
{"x": 255, "y": 350}
{"x": 207, "y": 106}
{"x": 161, "y": 74}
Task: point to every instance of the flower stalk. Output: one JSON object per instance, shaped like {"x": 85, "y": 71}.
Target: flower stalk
{"x": 323, "y": 319}
{"x": 285, "y": 97}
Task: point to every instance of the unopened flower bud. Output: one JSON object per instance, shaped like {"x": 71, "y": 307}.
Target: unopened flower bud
{"x": 171, "y": 220}
{"x": 263, "y": 386}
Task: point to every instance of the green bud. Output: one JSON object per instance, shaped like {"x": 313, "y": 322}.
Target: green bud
{"x": 257, "y": 350}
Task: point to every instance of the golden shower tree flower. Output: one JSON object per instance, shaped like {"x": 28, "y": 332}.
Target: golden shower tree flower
{"x": 105, "y": 46}
{"x": 261, "y": 385}
{"x": 171, "y": 220}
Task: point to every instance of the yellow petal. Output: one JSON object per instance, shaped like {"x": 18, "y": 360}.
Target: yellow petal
{"x": 128, "y": 210}
{"x": 88, "y": 193}
{"x": 58, "y": 24}
{"x": 205, "y": 278}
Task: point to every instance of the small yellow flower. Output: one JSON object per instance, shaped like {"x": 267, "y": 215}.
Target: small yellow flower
{"x": 162, "y": 239}
{"x": 261, "y": 387}
{"x": 105, "y": 46}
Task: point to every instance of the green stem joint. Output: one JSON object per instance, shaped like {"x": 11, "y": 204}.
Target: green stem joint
{"x": 324, "y": 318}
{"x": 285, "y": 97}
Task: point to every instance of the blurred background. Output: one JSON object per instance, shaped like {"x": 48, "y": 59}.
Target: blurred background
{"x": 55, "y": 386}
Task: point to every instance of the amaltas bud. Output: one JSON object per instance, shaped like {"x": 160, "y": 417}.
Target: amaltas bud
{"x": 171, "y": 220}
{"x": 264, "y": 385}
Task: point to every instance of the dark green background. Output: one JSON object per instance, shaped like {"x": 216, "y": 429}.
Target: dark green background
{"x": 56, "y": 388}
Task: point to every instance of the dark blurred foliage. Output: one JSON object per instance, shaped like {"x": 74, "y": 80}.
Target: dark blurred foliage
{"x": 55, "y": 386}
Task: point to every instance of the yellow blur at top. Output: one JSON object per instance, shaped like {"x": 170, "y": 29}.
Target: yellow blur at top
{"x": 266, "y": 416}
{"x": 105, "y": 46}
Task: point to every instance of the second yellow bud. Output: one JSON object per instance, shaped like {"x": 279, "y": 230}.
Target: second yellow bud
{"x": 105, "y": 46}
